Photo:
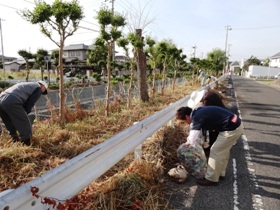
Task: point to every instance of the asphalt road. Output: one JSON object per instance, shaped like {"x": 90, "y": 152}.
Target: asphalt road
{"x": 253, "y": 174}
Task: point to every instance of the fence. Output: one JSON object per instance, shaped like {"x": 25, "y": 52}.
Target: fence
{"x": 68, "y": 179}
{"x": 86, "y": 96}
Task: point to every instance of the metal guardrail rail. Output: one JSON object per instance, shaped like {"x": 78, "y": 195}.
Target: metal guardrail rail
{"x": 68, "y": 179}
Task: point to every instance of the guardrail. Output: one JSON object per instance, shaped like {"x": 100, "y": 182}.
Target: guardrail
{"x": 68, "y": 179}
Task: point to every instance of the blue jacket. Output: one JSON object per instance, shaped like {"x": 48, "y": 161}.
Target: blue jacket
{"x": 214, "y": 118}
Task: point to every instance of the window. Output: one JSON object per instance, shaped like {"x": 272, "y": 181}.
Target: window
{"x": 75, "y": 53}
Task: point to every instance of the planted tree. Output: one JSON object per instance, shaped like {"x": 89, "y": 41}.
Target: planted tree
{"x": 63, "y": 18}
{"x": 178, "y": 59}
{"x": 26, "y": 56}
{"x": 251, "y": 61}
{"x": 124, "y": 43}
{"x": 266, "y": 61}
{"x": 55, "y": 60}
{"x": 165, "y": 49}
{"x": 217, "y": 57}
{"x": 137, "y": 42}
{"x": 154, "y": 56}
{"x": 98, "y": 55}
{"x": 110, "y": 31}
{"x": 137, "y": 22}
{"x": 40, "y": 61}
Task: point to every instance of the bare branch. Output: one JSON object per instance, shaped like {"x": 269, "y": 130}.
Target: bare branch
{"x": 139, "y": 19}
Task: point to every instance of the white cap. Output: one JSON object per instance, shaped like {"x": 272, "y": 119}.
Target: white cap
{"x": 45, "y": 84}
{"x": 195, "y": 98}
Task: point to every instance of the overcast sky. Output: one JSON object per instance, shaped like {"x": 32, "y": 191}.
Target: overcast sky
{"x": 191, "y": 24}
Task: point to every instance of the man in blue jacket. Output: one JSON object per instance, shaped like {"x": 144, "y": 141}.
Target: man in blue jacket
{"x": 221, "y": 120}
{"x": 16, "y": 103}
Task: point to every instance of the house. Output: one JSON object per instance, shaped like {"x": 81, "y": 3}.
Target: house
{"x": 121, "y": 59}
{"x": 275, "y": 60}
{"x": 75, "y": 56}
{"x": 76, "y": 52}
{"x": 79, "y": 52}
{"x": 12, "y": 66}
{"x": 234, "y": 67}
{"x": 7, "y": 59}
{"x": 262, "y": 71}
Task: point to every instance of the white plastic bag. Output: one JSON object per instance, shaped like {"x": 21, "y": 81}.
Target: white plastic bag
{"x": 178, "y": 174}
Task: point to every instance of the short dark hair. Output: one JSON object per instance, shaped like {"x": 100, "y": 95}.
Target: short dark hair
{"x": 182, "y": 112}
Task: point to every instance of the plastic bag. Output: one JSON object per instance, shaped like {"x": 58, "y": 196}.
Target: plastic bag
{"x": 178, "y": 174}
{"x": 192, "y": 157}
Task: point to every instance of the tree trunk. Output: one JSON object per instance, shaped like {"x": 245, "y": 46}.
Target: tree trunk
{"x": 131, "y": 84}
{"x": 107, "y": 105}
{"x": 27, "y": 75}
{"x": 163, "y": 80}
{"x": 154, "y": 80}
{"x": 141, "y": 67}
{"x": 61, "y": 86}
{"x": 42, "y": 73}
{"x": 175, "y": 75}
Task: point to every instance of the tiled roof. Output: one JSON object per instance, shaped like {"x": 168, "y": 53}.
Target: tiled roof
{"x": 277, "y": 55}
{"x": 7, "y": 58}
{"x": 11, "y": 62}
{"x": 77, "y": 47}
{"x": 235, "y": 63}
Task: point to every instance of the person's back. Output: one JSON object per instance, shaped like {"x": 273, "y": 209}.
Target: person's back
{"x": 230, "y": 129}
{"x": 214, "y": 118}
{"x": 211, "y": 98}
{"x": 16, "y": 103}
{"x": 22, "y": 90}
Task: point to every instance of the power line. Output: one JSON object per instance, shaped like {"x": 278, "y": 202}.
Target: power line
{"x": 8, "y": 6}
{"x": 90, "y": 29}
{"x": 90, "y": 22}
{"x": 257, "y": 28}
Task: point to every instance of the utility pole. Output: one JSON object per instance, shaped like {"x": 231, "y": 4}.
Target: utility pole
{"x": 194, "y": 50}
{"x": 228, "y": 55}
{"x": 228, "y": 28}
{"x": 113, "y": 44}
{"x": 2, "y": 48}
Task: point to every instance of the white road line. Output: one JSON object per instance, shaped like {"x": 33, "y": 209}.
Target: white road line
{"x": 235, "y": 186}
{"x": 256, "y": 199}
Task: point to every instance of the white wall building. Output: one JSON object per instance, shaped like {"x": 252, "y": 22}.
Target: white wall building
{"x": 262, "y": 72}
{"x": 275, "y": 60}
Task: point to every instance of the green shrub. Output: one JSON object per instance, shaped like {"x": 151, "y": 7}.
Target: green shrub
{"x": 5, "y": 84}
{"x": 54, "y": 86}
{"x": 126, "y": 81}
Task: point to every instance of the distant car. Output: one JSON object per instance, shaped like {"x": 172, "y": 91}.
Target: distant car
{"x": 277, "y": 76}
{"x": 68, "y": 74}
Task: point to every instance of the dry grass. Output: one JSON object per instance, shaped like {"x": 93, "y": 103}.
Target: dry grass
{"x": 129, "y": 184}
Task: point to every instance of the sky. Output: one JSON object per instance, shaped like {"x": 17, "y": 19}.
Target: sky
{"x": 243, "y": 28}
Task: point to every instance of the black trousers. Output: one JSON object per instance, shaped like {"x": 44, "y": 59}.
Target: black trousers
{"x": 213, "y": 135}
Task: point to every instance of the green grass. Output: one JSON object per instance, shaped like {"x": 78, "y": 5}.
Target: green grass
{"x": 266, "y": 81}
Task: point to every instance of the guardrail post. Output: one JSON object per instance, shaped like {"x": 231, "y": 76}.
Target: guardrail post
{"x": 138, "y": 149}
{"x": 171, "y": 122}
{"x": 138, "y": 152}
